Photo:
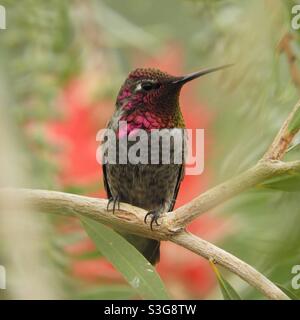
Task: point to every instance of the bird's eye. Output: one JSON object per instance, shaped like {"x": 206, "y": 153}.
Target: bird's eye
{"x": 147, "y": 86}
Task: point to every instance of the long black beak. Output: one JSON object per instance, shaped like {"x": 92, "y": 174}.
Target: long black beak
{"x": 192, "y": 76}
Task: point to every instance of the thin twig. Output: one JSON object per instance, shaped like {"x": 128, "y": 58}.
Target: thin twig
{"x": 286, "y": 47}
{"x": 284, "y": 137}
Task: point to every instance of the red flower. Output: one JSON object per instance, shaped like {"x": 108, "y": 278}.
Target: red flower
{"x": 76, "y": 135}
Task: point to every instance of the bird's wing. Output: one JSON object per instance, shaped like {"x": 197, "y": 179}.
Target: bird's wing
{"x": 106, "y": 186}
{"x": 179, "y": 180}
{"x": 104, "y": 167}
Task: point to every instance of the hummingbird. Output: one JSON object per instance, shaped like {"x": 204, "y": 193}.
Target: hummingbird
{"x": 148, "y": 99}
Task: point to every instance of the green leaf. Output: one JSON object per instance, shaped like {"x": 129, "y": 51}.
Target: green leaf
{"x": 287, "y": 182}
{"x": 107, "y": 292}
{"x": 294, "y": 147}
{"x": 227, "y": 290}
{"x": 89, "y": 255}
{"x": 138, "y": 272}
{"x": 294, "y": 125}
{"x": 287, "y": 291}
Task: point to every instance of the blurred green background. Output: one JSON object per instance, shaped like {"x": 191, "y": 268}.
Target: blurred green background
{"x": 61, "y": 65}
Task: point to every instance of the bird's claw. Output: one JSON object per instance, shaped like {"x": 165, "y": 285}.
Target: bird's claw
{"x": 115, "y": 201}
{"x": 154, "y": 217}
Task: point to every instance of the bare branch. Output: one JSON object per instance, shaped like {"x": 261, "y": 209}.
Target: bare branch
{"x": 224, "y": 191}
{"x": 130, "y": 219}
{"x": 230, "y": 262}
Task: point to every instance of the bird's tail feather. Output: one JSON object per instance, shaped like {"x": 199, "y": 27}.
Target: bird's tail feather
{"x": 149, "y": 248}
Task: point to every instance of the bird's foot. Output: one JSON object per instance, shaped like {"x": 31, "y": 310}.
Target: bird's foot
{"x": 154, "y": 214}
{"x": 115, "y": 201}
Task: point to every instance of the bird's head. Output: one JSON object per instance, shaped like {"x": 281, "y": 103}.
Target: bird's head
{"x": 154, "y": 90}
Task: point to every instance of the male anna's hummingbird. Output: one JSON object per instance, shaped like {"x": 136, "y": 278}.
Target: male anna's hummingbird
{"x": 148, "y": 99}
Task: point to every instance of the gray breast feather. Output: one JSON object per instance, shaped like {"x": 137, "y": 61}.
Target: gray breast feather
{"x": 149, "y": 186}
